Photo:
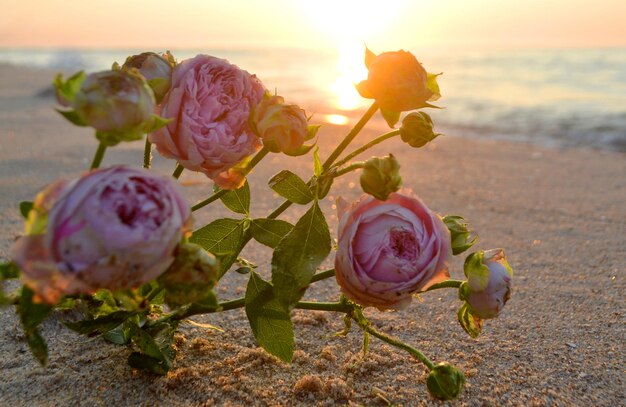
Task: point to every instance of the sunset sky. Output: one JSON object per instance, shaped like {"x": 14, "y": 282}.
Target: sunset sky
{"x": 314, "y": 24}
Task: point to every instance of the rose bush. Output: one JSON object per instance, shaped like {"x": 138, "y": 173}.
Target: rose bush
{"x": 113, "y": 228}
{"x": 209, "y": 102}
{"x": 389, "y": 250}
{"x": 282, "y": 127}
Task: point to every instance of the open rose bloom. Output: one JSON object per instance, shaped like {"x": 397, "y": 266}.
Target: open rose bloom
{"x": 114, "y": 228}
{"x": 209, "y": 102}
{"x": 389, "y": 250}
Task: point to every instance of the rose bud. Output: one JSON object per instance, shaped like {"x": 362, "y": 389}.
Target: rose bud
{"x": 157, "y": 69}
{"x": 190, "y": 278}
{"x": 388, "y": 250}
{"x": 282, "y": 127}
{"x": 381, "y": 177}
{"x": 445, "y": 381}
{"x": 417, "y": 129}
{"x": 209, "y": 102}
{"x": 461, "y": 237}
{"x": 113, "y": 228}
{"x": 119, "y": 104}
{"x": 488, "y": 285}
{"x": 397, "y": 81}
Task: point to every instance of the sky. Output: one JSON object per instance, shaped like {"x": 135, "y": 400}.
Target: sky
{"x": 382, "y": 25}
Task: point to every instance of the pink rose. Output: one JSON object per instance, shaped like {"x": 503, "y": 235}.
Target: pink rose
{"x": 210, "y": 101}
{"x": 283, "y": 127}
{"x": 113, "y": 228}
{"x": 397, "y": 81}
{"x": 389, "y": 250}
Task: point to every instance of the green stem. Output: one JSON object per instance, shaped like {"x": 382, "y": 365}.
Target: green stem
{"x": 325, "y": 306}
{"x": 399, "y": 344}
{"x": 367, "y": 146}
{"x": 97, "y": 158}
{"x": 147, "y": 153}
{"x": 444, "y": 284}
{"x": 351, "y": 135}
{"x": 255, "y": 160}
{"x": 322, "y": 275}
{"x": 349, "y": 168}
{"x": 177, "y": 171}
{"x": 210, "y": 199}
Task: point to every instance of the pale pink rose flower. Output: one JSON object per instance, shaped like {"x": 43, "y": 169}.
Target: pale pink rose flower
{"x": 209, "y": 102}
{"x": 388, "y": 250}
{"x": 113, "y": 228}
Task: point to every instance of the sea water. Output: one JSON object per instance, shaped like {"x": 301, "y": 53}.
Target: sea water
{"x": 552, "y": 97}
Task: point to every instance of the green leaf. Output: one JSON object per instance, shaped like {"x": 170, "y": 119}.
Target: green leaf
{"x": 369, "y": 57}
{"x": 476, "y": 272}
{"x": 269, "y": 231}
{"x": 38, "y": 346}
{"x": 155, "y": 343}
{"x": 237, "y": 200}
{"x": 156, "y": 123}
{"x": 100, "y": 325}
{"x": 433, "y": 86}
{"x": 25, "y": 207}
{"x": 9, "y": 271}
{"x": 390, "y": 116}
{"x": 141, "y": 361}
{"x": 67, "y": 90}
{"x": 290, "y": 186}
{"x": 311, "y": 131}
{"x": 302, "y": 150}
{"x": 298, "y": 255}
{"x": 318, "y": 168}
{"x": 269, "y": 320}
{"x": 73, "y": 117}
{"x": 31, "y": 315}
{"x": 470, "y": 323}
{"x": 224, "y": 238}
{"x": 146, "y": 343}
{"x": 120, "y": 335}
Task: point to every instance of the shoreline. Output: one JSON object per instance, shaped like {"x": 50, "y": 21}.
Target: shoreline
{"x": 559, "y": 214}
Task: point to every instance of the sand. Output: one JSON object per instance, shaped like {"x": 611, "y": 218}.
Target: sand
{"x": 560, "y": 215}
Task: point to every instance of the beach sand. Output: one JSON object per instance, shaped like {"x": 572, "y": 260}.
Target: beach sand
{"x": 560, "y": 215}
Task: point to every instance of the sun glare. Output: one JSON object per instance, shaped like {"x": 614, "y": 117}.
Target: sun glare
{"x": 348, "y": 25}
{"x": 350, "y": 71}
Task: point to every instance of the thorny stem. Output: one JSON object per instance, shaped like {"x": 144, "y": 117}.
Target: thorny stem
{"x": 367, "y": 146}
{"x": 255, "y": 160}
{"x": 98, "y": 156}
{"x": 147, "y": 154}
